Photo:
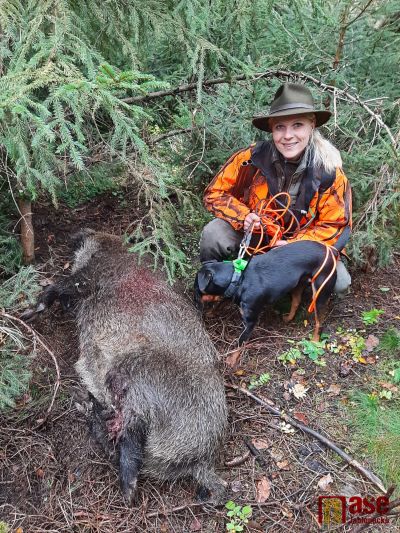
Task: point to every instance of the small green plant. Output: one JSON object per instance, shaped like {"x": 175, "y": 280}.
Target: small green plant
{"x": 263, "y": 379}
{"x": 15, "y": 293}
{"x": 314, "y": 350}
{"x": 4, "y": 527}
{"x": 238, "y": 516}
{"x": 372, "y": 316}
{"x": 396, "y": 375}
{"x": 290, "y": 356}
{"x": 10, "y": 254}
{"x": 386, "y": 395}
{"x": 353, "y": 340}
{"x": 357, "y": 345}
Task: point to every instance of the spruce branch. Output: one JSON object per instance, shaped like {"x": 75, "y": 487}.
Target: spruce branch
{"x": 342, "y": 94}
{"x": 37, "y": 338}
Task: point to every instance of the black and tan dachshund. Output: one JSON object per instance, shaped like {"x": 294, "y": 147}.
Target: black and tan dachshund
{"x": 268, "y": 277}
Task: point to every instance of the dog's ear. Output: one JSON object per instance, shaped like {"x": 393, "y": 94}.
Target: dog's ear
{"x": 203, "y": 279}
{"x": 197, "y": 295}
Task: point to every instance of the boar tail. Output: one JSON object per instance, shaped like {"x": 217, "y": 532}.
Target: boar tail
{"x": 131, "y": 453}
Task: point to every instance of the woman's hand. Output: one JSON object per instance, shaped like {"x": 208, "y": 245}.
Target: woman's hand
{"x": 251, "y": 218}
{"x": 280, "y": 243}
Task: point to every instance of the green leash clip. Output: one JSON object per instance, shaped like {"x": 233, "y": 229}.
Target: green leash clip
{"x": 239, "y": 265}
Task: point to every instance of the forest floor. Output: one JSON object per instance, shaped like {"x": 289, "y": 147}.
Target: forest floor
{"x": 55, "y": 478}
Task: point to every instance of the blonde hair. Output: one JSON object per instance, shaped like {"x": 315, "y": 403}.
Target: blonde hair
{"x": 325, "y": 155}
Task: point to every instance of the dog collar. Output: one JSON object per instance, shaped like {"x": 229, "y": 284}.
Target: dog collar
{"x": 238, "y": 266}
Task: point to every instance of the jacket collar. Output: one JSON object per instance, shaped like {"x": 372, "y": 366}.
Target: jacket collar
{"x": 265, "y": 156}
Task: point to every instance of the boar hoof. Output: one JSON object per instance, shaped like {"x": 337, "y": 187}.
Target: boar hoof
{"x": 213, "y": 493}
{"x": 202, "y": 494}
{"x": 129, "y": 491}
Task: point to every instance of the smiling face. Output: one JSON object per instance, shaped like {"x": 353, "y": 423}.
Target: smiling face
{"x": 291, "y": 134}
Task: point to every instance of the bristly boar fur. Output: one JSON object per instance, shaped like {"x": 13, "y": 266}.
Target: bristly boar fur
{"x": 148, "y": 364}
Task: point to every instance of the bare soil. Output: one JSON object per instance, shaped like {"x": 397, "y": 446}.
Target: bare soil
{"x": 55, "y": 478}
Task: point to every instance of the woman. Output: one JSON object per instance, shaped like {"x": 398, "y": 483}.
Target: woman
{"x": 298, "y": 161}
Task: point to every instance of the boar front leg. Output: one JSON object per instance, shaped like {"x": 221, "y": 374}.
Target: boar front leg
{"x": 53, "y": 292}
{"x": 211, "y": 487}
{"x": 131, "y": 452}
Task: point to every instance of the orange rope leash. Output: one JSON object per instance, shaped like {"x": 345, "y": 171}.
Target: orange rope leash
{"x": 277, "y": 216}
{"x": 274, "y": 215}
{"x": 329, "y": 251}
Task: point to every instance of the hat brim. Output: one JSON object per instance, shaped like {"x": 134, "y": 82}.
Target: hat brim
{"x": 262, "y": 121}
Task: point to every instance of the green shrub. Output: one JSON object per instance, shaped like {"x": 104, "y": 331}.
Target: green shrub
{"x": 86, "y": 185}
{"x": 16, "y": 352}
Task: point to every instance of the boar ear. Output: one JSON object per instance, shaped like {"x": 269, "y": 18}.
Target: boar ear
{"x": 79, "y": 238}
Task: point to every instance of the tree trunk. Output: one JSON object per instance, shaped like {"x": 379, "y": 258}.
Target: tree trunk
{"x": 344, "y": 19}
{"x": 26, "y": 227}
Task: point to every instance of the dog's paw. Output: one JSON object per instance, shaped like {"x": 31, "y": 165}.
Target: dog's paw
{"x": 287, "y": 318}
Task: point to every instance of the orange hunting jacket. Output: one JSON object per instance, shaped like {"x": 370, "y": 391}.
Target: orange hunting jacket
{"x": 250, "y": 175}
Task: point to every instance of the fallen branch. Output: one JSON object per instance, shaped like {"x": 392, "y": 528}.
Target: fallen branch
{"x": 237, "y": 461}
{"x": 39, "y": 340}
{"x": 302, "y": 427}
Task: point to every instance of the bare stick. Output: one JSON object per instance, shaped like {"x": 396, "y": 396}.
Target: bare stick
{"x": 172, "y": 133}
{"x": 355, "y": 464}
{"x": 360, "y": 13}
{"x": 236, "y": 461}
{"x": 37, "y": 337}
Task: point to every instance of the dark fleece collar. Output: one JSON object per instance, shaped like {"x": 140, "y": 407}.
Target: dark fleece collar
{"x": 265, "y": 156}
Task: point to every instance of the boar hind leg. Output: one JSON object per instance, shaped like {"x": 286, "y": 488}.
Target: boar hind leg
{"x": 98, "y": 426}
{"x": 131, "y": 453}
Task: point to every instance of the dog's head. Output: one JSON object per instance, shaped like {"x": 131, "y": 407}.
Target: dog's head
{"x": 212, "y": 279}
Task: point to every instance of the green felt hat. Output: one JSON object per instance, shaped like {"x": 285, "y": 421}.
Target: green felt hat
{"x": 291, "y": 99}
